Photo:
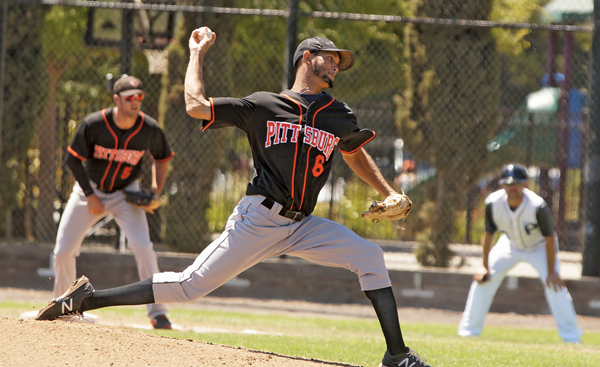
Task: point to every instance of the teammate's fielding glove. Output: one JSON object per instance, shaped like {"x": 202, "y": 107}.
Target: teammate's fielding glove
{"x": 395, "y": 206}
{"x": 144, "y": 199}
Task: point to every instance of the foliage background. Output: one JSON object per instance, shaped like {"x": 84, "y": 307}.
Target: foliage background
{"x": 436, "y": 93}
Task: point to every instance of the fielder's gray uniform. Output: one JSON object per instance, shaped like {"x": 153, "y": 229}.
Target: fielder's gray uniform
{"x": 112, "y": 159}
{"x": 522, "y": 240}
{"x": 292, "y": 137}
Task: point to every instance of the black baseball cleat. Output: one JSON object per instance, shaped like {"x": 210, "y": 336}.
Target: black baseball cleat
{"x": 69, "y": 302}
{"x": 161, "y": 322}
{"x": 408, "y": 358}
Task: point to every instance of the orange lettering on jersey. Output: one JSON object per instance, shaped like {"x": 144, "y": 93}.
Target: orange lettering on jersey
{"x": 315, "y": 137}
{"x": 130, "y": 156}
{"x": 271, "y": 131}
{"x": 323, "y": 137}
{"x": 296, "y": 132}
{"x": 278, "y": 132}
{"x": 285, "y": 126}
{"x": 331, "y": 143}
{"x": 97, "y": 151}
{"x": 137, "y": 155}
{"x": 308, "y": 131}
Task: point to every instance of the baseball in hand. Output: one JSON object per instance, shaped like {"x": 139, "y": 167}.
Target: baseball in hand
{"x": 206, "y": 32}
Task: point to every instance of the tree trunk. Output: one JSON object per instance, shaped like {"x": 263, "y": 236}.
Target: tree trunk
{"x": 45, "y": 227}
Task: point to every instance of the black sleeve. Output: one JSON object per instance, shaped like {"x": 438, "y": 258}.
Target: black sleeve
{"x": 228, "y": 111}
{"x": 356, "y": 137}
{"x": 161, "y": 150}
{"x": 81, "y": 145}
{"x": 544, "y": 218}
{"x": 76, "y": 166}
{"x": 355, "y": 140}
{"x": 490, "y": 226}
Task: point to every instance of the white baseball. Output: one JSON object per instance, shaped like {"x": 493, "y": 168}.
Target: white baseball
{"x": 206, "y": 32}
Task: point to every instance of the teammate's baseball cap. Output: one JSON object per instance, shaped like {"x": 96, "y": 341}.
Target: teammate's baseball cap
{"x": 513, "y": 173}
{"x": 128, "y": 86}
{"x": 316, "y": 44}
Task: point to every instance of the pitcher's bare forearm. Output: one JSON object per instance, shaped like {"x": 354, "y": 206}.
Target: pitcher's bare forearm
{"x": 363, "y": 165}
{"x": 196, "y": 103}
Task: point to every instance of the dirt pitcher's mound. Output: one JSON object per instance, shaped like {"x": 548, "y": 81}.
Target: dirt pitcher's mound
{"x": 58, "y": 343}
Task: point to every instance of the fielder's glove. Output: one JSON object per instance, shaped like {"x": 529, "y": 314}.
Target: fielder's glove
{"x": 145, "y": 199}
{"x": 395, "y": 206}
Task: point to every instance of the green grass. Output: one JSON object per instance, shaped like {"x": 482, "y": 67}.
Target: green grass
{"x": 359, "y": 340}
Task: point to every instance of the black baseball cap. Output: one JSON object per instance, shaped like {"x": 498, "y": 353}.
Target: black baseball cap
{"x": 316, "y": 44}
{"x": 513, "y": 173}
{"x": 128, "y": 86}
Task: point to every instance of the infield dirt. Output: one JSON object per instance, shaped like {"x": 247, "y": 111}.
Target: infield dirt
{"x": 55, "y": 343}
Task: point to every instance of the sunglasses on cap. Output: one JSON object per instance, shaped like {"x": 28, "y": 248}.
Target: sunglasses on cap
{"x": 136, "y": 97}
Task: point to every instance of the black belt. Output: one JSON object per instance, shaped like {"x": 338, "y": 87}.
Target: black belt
{"x": 295, "y": 216}
{"x": 105, "y": 190}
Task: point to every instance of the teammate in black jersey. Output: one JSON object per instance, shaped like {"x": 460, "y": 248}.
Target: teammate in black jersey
{"x": 105, "y": 157}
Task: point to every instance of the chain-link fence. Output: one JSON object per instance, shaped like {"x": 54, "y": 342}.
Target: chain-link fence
{"x": 454, "y": 90}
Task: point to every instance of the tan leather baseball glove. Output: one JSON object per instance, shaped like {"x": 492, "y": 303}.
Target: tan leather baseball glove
{"x": 395, "y": 206}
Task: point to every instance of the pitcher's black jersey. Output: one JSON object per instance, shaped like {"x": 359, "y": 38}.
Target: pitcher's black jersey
{"x": 113, "y": 157}
{"x": 292, "y": 141}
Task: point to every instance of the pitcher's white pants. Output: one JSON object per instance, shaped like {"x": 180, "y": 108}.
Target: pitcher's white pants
{"x": 503, "y": 257}
{"x": 254, "y": 233}
{"x": 77, "y": 220}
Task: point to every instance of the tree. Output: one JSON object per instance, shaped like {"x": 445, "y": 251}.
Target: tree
{"x": 248, "y": 56}
{"x": 73, "y": 78}
{"x": 198, "y": 154}
{"x": 63, "y": 26}
{"x": 449, "y": 109}
{"x": 24, "y": 78}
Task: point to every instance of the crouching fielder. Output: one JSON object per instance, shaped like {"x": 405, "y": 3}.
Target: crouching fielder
{"x": 528, "y": 235}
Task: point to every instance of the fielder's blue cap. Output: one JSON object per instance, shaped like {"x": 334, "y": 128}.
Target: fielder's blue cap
{"x": 513, "y": 173}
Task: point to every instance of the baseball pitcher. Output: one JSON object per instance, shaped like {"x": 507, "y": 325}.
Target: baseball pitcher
{"x": 293, "y": 136}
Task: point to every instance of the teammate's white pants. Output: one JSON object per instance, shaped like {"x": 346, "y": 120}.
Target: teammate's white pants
{"x": 503, "y": 257}
{"x": 77, "y": 220}
{"x": 253, "y": 233}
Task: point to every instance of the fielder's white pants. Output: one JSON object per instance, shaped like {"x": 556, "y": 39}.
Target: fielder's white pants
{"x": 503, "y": 257}
{"x": 77, "y": 220}
{"x": 253, "y": 233}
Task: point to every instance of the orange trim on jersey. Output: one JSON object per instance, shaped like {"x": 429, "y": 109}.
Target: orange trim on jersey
{"x": 165, "y": 159}
{"x": 101, "y": 186}
{"x": 212, "y": 111}
{"x": 308, "y": 152}
{"x": 373, "y": 137}
{"x": 296, "y": 152}
{"x": 112, "y": 183}
{"x": 75, "y": 154}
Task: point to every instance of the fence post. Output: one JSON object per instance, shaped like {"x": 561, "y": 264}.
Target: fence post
{"x": 3, "y": 11}
{"x": 563, "y": 140}
{"x": 591, "y": 250}
{"x": 290, "y": 45}
{"x": 127, "y": 41}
